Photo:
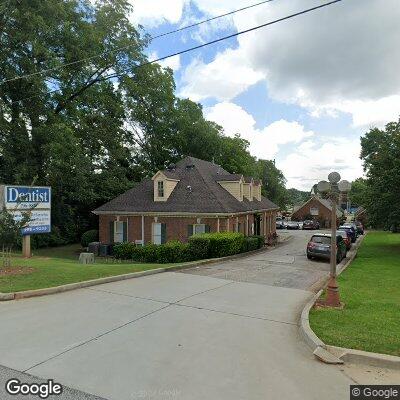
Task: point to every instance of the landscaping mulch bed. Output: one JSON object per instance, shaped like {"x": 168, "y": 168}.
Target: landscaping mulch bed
{"x": 12, "y": 271}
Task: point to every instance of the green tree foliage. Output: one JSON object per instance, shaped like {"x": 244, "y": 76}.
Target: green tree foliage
{"x": 296, "y": 196}
{"x": 273, "y": 182}
{"x": 359, "y": 192}
{"x": 90, "y": 129}
{"x": 380, "y": 151}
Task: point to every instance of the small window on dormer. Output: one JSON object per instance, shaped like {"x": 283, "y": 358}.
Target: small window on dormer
{"x": 160, "y": 187}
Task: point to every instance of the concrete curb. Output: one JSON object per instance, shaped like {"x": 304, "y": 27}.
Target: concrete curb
{"x": 79, "y": 285}
{"x": 316, "y": 344}
{"x": 340, "y": 354}
{"x": 365, "y": 357}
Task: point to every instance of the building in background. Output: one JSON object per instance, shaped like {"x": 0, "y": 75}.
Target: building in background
{"x": 193, "y": 196}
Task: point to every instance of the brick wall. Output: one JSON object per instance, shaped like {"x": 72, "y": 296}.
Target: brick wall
{"x": 176, "y": 227}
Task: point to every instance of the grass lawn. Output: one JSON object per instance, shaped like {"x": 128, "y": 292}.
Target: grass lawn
{"x": 370, "y": 289}
{"x": 59, "y": 265}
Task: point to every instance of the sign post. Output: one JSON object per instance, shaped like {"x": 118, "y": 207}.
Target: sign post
{"x": 36, "y": 200}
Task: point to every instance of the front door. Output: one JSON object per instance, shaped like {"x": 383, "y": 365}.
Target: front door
{"x": 257, "y": 224}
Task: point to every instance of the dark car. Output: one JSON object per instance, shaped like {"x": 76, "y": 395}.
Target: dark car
{"x": 309, "y": 224}
{"x": 280, "y": 225}
{"x": 346, "y": 237}
{"x": 360, "y": 228}
{"x": 319, "y": 246}
{"x": 350, "y": 230}
{"x": 292, "y": 225}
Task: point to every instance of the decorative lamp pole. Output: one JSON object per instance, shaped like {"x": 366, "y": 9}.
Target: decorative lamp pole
{"x": 333, "y": 188}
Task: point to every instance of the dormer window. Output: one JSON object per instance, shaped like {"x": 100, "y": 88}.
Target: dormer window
{"x": 160, "y": 188}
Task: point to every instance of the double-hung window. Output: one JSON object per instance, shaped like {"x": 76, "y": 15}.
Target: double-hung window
{"x": 160, "y": 188}
{"x": 159, "y": 233}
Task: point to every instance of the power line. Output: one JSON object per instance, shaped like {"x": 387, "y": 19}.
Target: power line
{"x": 308, "y": 10}
{"x": 133, "y": 44}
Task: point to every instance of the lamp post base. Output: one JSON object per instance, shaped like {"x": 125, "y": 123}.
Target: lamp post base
{"x": 332, "y": 295}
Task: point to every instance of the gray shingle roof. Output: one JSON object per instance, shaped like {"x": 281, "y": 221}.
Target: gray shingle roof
{"x": 196, "y": 192}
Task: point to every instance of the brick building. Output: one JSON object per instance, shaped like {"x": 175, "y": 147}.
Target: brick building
{"x": 317, "y": 209}
{"x": 193, "y": 196}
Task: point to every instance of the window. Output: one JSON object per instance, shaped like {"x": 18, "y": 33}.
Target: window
{"x": 120, "y": 231}
{"x": 198, "y": 228}
{"x": 160, "y": 187}
{"x": 159, "y": 233}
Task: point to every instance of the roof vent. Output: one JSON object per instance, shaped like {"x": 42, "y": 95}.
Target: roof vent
{"x": 189, "y": 188}
{"x": 171, "y": 167}
{"x": 190, "y": 166}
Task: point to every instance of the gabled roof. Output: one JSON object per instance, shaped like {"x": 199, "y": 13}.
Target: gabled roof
{"x": 325, "y": 202}
{"x": 228, "y": 177}
{"x": 196, "y": 192}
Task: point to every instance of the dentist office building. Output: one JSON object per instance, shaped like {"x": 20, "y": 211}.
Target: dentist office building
{"x": 193, "y": 196}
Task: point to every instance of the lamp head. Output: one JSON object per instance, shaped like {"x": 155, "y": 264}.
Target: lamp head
{"x": 323, "y": 186}
{"x": 344, "y": 186}
{"x": 334, "y": 177}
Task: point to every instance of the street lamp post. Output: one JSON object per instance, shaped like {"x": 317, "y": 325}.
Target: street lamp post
{"x": 333, "y": 188}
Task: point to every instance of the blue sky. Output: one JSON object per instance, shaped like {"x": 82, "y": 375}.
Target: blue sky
{"x": 302, "y": 91}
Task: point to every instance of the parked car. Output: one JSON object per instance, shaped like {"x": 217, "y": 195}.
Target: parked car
{"x": 292, "y": 225}
{"x": 360, "y": 227}
{"x": 350, "y": 230}
{"x": 280, "y": 225}
{"x": 319, "y": 246}
{"x": 309, "y": 224}
{"x": 346, "y": 237}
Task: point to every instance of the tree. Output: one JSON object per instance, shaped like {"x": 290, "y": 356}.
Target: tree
{"x": 296, "y": 196}
{"x": 380, "y": 151}
{"x": 10, "y": 232}
{"x": 359, "y": 192}
{"x": 273, "y": 182}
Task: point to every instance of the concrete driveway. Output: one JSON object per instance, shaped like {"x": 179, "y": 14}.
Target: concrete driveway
{"x": 227, "y": 331}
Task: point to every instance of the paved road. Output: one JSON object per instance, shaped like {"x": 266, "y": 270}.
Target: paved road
{"x": 179, "y": 336}
{"x": 286, "y": 266}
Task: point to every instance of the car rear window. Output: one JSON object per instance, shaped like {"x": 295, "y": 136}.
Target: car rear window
{"x": 321, "y": 239}
{"x": 342, "y": 233}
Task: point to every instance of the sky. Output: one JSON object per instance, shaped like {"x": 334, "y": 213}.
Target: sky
{"x": 302, "y": 91}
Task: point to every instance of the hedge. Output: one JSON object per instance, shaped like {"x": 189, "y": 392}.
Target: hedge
{"x": 89, "y": 237}
{"x": 201, "y": 246}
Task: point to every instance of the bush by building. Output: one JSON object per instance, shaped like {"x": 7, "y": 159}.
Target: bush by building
{"x": 89, "y": 237}
{"x": 202, "y": 246}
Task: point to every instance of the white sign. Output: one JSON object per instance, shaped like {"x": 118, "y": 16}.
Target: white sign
{"x": 27, "y": 197}
{"x": 40, "y": 221}
{"x": 314, "y": 211}
{"x": 35, "y": 199}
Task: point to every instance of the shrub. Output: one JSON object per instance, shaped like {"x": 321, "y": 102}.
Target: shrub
{"x": 149, "y": 253}
{"x": 199, "y": 246}
{"x": 172, "y": 252}
{"x": 89, "y": 236}
{"x": 250, "y": 243}
{"x": 125, "y": 251}
{"x": 260, "y": 239}
{"x": 211, "y": 245}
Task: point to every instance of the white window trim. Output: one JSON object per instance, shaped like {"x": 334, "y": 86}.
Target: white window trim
{"x": 152, "y": 232}
{"x": 118, "y": 221}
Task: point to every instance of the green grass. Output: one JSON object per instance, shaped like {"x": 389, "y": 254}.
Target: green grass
{"x": 370, "y": 289}
{"x": 59, "y": 265}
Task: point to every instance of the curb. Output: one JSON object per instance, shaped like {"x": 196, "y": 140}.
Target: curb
{"x": 365, "y": 357}
{"x": 80, "y": 285}
{"x": 339, "y": 355}
{"x": 331, "y": 354}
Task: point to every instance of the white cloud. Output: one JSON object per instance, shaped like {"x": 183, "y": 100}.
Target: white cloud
{"x": 341, "y": 58}
{"x": 313, "y": 161}
{"x": 173, "y": 62}
{"x": 152, "y": 13}
{"x": 313, "y": 157}
{"x": 224, "y": 78}
{"x": 264, "y": 143}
